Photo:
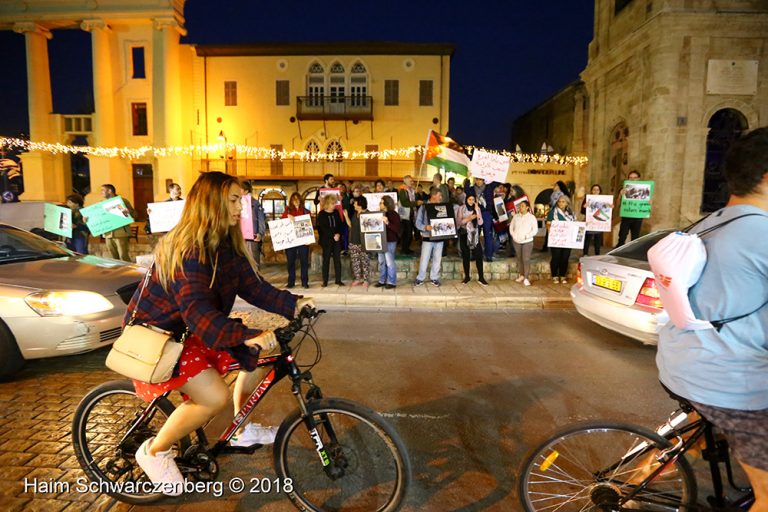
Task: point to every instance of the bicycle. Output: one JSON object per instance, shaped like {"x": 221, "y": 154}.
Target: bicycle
{"x": 347, "y": 457}
{"x": 613, "y": 466}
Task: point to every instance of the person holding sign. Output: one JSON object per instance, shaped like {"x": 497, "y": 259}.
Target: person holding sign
{"x": 594, "y": 238}
{"x": 429, "y": 249}
{"x": 361, "y": 264}
{"x": 295, "y": 209}
{"x": 117, "y": 240}
{"x": 200, "y": 267}
{"x": 628, "y": 224}
{"x": 470, "y": 224}
{"x": 80, "y": 232}
{"x": 387, "y": 268}
{"x": 558, "y": 265}
{"x": 329, "y": 234}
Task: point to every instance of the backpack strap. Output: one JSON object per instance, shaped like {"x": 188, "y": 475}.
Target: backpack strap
{"x": 718, "y": 324}
{"x": 718, "y": 226}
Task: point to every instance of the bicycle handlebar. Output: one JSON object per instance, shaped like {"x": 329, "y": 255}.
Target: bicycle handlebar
{"x": 285, "y": 334}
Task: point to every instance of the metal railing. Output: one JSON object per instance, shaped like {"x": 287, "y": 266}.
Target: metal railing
{"x": 296, "y": 168}
{"x": 334, "y": 107}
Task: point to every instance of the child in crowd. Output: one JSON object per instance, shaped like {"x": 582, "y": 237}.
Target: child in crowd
{"x": 522, "y": 229}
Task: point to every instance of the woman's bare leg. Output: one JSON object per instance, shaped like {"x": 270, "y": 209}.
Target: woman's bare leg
{"x": 208, "y": 396}
{"x": 758, "y": 478}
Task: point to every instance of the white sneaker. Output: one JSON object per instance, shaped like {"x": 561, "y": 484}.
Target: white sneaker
{"x": 526, "y": 282}
{"x": 161, "y": 468}
{"x": 563, "y": 280}
{"x": 519, "y": 279}
{"x": 254, "y": 433}
{"x": 556, "y": 280}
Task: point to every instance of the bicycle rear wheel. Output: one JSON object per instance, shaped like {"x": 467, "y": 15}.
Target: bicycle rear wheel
{"x": 596, "y": 466}
{"x": 101, "y": 421}
{"x": 367, "y": 466}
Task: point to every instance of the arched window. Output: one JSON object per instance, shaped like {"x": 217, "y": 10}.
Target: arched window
{"x": 312, "y": 167}
{"x": 725, "y": 126}
{"x": 334, "y": 148}
{"x": 337, "y": 84}
{"x": 358, "y": 85}
{"x": 312, "y": 147}
{"x": 315, "y": 84}
{"x": 619, "y": 156}
{"x": 274, "y": 201}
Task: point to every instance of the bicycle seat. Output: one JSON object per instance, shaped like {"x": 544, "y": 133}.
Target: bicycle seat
{"x": 685, "y": 404}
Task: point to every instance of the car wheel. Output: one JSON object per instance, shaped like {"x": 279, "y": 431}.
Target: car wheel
{"x": 11, "y": 360}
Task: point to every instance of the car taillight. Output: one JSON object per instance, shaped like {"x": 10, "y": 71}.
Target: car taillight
{"x": 649, "y": 295}
{"x": 579, "y": 279}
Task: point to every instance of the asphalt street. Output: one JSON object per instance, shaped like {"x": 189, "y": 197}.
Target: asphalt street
{"x": 469, "y": 392}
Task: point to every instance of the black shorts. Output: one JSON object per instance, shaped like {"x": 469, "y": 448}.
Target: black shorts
{"x": 747, "y": 432}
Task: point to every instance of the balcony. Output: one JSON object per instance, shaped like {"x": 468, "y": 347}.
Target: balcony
{"x": 338, "y": 108}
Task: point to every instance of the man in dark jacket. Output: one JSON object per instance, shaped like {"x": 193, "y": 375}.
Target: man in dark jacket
{"x": 484, "y": 196}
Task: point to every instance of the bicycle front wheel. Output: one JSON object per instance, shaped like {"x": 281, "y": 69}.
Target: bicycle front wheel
{"x": 362, "y": 466}
{"x": 601, "y": 467}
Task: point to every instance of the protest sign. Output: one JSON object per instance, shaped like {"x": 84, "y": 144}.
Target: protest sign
{"x": 287, "y": 233}
{"x": 599, "y": 212}
{"x": 442, "y": 221}
{"x": 106, "y": 216}
{"x": 520, "y": 200}
{"x": 567, "y": 234}
{"x": 57, "y": 220}
{"x": 164, "y": 216}
{"x": 374, "y": 231}
{"x": 489, "y": 166}
{"x": 246, "y": 217}
{"x": 322, "y": 192}
{"x": 374, "y": 199}
{"x": 501, "y": 210}
{"x": 636, "y": 199}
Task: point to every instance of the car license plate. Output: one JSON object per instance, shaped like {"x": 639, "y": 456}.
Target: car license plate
{"x": 607, "y": 283}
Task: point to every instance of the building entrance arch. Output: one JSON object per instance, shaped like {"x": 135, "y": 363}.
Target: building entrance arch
{"x": 725, "y": 126}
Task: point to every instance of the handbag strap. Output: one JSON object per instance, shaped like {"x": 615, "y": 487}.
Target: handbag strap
{"x": 147, "y": 277}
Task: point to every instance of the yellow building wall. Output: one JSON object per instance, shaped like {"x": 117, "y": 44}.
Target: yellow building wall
{"x": 258, "y": 121}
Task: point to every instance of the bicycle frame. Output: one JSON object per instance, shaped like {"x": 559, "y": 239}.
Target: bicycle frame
{"x": 282, "y": 365}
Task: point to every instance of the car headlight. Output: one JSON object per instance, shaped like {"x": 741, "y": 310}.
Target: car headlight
{"x": 50, "y": 303}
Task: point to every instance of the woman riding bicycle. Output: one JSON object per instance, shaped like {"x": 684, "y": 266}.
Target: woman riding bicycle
{"x": 200, "y": 266}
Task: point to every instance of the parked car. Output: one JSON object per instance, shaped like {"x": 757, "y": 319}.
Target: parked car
{"x": 618, "y": 291}
{"x": 55, "y": 302}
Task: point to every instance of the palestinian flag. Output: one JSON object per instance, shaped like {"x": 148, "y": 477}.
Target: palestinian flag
{"x": 443, "y": 152}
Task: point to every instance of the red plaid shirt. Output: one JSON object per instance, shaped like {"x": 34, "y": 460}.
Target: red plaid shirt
{"x": 190, "y": 302}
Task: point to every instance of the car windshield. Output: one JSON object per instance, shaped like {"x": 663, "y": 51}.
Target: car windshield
{"x": 19, "y": 245}
{"x": 638, "y": 249}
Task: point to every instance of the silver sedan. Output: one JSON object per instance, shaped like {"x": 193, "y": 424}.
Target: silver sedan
{"x": 618, "y": 291}
{"x": 55, "y": 302}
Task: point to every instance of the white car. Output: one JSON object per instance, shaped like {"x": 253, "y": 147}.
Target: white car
{"x": 618, "y": 291}
{"x": 55, "y": 302}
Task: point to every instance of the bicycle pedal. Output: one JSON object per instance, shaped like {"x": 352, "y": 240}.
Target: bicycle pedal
{"x": 249, "y": 450}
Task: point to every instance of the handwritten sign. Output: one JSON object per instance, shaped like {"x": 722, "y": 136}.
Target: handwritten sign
{"x": 57, "y": 220}
{"x": 599, "y": 212}
{"x": 489, "y": 166}
{"x": 106, "y": 216}
{"x": 164, "y": 216}
{"x": 567, "y": 234}
{"x": 636, "y": 199}
{"x": 374, "y": 199}
{"x": 287, "y": 233}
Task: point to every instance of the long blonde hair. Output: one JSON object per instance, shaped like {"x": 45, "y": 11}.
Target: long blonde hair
{"x": 203, "y": 226}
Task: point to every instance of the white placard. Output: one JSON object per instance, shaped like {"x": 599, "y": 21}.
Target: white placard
{"x": 164, "y": 216}
{"x": 567, "y": 234}
{"x": 489, "y": 166}
{"x": 287, "y": 233}
{"x": 599, "y": 212}
{"x": 375, "y": 198}
{"x": 501, "y": 209}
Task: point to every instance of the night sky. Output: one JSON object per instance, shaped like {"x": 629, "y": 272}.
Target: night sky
{"x": 510, "y": 55}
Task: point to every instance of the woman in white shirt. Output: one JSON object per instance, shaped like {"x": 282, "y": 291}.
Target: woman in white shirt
{"x": 522, "y": 229}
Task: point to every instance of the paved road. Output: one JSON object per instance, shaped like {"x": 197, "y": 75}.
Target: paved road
{"x": 470, "y": 393}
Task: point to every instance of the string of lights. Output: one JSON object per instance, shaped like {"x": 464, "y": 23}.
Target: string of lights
{"x": 261, "y": 153}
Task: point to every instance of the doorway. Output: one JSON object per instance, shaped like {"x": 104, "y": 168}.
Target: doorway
{"x": 143, "y": 192}
{"x": 725, "y": 126}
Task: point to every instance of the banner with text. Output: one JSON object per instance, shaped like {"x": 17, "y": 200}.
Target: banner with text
{"x": 375, "y": 198}
{"x": 164, "y": 216}
{"x": 106, "y": 216}
{"x": 287, "y": 233}
{"x": 489, "y": 166}
{"x": 636, "y": 199}
{"x": 567, "y": 234}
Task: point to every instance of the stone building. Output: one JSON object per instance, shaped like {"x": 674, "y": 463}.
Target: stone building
{"x": 669, "y": 84}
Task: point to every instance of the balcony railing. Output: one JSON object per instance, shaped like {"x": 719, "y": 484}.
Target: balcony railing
{"x": 334, "y": 107}
{"x": 292, "y": 169}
